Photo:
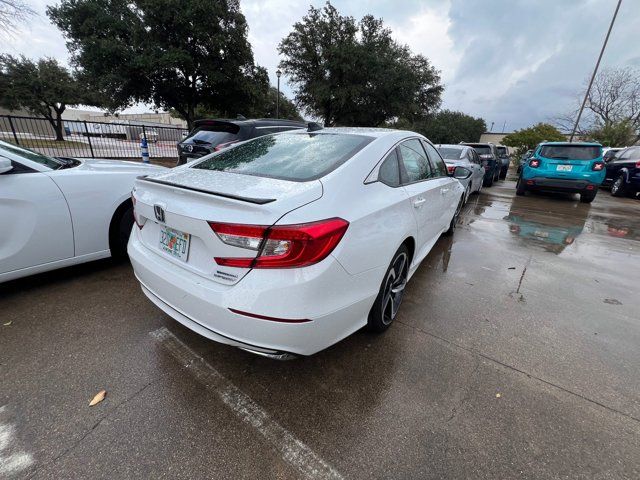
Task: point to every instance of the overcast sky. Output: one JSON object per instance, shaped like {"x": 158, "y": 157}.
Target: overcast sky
{"x": 513, "y": 61}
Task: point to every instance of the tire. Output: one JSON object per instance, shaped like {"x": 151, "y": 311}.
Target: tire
{"x": 454, "y": 220}
{"x": 120, "y": 231}
{"x": 588, "y": 197}
{"x": 386, "y": 305}
{"x": 503, "y": 175}
{"x": 619, "y": 187}
{"x": 467, "y": 192}
{"x": 487, "y": 182}
{"x": 521, "y": 188}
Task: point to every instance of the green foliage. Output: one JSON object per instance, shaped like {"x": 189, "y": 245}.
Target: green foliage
{"x": 528, "y": 138}
{"x": 447, "y": 126}
{"x": 265, "y": 108}
{"x": 354, "y": 73}
{"x": 43, "y": 88}
{"x": 288, "y": 109}
{"x": 176, "y": 54}
{"x": 614, "y": 134}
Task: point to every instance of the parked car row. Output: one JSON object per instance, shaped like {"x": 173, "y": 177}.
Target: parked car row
{"x": 487, "y": 162}
{"x": 281, "y": 245}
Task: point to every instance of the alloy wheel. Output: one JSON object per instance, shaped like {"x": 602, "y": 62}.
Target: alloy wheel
{"x": 394, "y": 288}
{"x": 616, "y": 185}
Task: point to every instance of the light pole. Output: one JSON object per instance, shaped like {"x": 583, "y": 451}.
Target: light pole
{"x": 595, "y": 70}
{"x": 278, "y": 73}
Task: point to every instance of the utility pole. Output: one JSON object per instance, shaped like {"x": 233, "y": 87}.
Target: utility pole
{"x": 278, "y": 73}
{"x": 595, "y": 70}
{"x": 491, "y": 128}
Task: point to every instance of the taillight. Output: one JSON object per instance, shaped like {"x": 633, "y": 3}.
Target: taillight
{"x": 281, "y": 246}
{"x": 534, "y": 163}
{"x": 221, "y": 146}
{"x": 638, "y": 164}
{"x": 597, "y": 166}
{"x": 451, "y": 169}
{"x": 139, "y": 222}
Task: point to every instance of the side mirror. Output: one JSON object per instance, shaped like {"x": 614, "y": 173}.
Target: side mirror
{"x": 461, "y": 173}
{"x": 5, "y": 165}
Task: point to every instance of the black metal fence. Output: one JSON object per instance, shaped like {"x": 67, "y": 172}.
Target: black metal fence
{"x": 91, "y": 139}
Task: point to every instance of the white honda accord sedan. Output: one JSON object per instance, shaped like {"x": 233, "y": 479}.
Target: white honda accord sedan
{"x": 56, "y": 212}
{"x": 288, "y": 243}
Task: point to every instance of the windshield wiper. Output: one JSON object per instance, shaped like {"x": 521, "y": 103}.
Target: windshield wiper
{"x": 198, "y": 141}
{"x": 66, "y": 162}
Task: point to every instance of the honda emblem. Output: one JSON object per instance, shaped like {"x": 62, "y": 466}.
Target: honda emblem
{"x": 159, "y": 211}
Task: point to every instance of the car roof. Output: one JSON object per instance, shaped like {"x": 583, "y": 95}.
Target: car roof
{"x": 478, "y": 144}
{"x": 578, "y": 144}
{"x": 373, "y": 132}
{"x": 254, "y": 122}
{"x": 454, "y": 145}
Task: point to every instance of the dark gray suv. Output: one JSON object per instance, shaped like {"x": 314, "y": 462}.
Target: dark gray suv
{"x": 211, "y": 135}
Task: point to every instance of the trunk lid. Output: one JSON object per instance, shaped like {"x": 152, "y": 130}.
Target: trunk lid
{"x": 190, "y": 198}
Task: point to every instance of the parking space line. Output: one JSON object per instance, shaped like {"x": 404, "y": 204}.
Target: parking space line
{"x": 292, "y": 449}
{"x": 11, "y": 463}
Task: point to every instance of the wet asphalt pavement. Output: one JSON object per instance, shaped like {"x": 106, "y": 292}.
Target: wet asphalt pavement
{"x": 516, "y": 354}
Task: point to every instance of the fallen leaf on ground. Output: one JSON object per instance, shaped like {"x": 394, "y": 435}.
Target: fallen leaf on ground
{"x": 498, "y": 395}
{"x": 98, "y": 398}
{"x": 8, "y": 323}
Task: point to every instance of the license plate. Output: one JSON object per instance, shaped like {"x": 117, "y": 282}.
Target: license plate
{"x": 564, "y": 168}
{"x": 175, "y": 243}
{"x": 541, "y": 234}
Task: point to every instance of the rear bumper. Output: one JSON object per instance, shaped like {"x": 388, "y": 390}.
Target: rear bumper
{"x": 324, "y": 294}
{"x": 561, "y": 184}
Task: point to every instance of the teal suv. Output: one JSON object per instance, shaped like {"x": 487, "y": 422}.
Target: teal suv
{"x": 564, "y": 167}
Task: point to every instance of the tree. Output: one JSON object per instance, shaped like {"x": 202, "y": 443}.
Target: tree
{"x": 13, "y": 12}
{"x": 354, "y": 73}
{"x": 172, "y": 53}
{"x": 528, "y": 138}
{"x": 614, "y": 134}
{"x": 447, "y": 126}
{"x": 288, "y": 109}
{"x": 43, "y": 88}
{"x": 614, "y": 99}
{"x": 266, "y": 107}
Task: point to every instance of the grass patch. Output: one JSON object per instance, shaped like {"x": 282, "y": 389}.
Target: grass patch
{"x": 45, "y": 143}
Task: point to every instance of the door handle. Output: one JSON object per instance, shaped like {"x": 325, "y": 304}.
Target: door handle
{"x": 418, "y": 202}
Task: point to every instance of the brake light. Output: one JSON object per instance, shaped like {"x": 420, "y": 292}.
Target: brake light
{"x": 139, "y": 222}
{"x": 281, "y": 246}
{"x": 597, "y": 166}
{"x": 534, "y": 163}
{"x": 221, "y": 146}
{"x": 638, "y": 164}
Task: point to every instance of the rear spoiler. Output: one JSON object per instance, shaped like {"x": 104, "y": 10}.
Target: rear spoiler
{"x": 257, "y": 201}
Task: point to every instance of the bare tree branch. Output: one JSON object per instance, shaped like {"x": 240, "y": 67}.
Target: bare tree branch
{"x": 13, "y": 12}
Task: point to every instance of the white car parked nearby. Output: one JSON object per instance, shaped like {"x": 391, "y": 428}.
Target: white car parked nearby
{"x": 463, "y": 156}
{"x": 287, "y": 243}
{"x": 56, "y": 212}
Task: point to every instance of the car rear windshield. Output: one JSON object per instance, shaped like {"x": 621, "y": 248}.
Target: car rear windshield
{"x": 502, "y": 151}
{"x": 482, "y": 149}
{"x": 295, "y": 157}
{"x": 571, "y": 152}
{"x": 214, "y": 135}
{"x": 451, "y": 153}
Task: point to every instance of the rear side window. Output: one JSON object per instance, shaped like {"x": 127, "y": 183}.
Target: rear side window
{"x": 389, "y": 173}
{"x": 295, "y": 157}
{"x": 414, "y": 161}
{"x": 439, "y": 167}
{"x": 570, "y": 152}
